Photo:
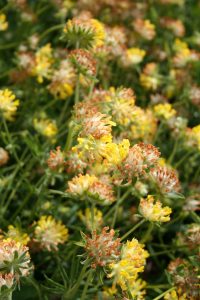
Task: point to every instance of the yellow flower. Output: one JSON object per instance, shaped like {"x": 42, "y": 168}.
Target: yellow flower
{"x": 46, "y": 127}
{"x": 8, "y": 104}
{"x": 80, "y": 184}
{"x": 85, "y": 33}
{"x": 145, "y": 28}
{"x": 43, "y": 63}
{"x": 164, "y": 111}
{"x": 115, "y": 153}
{"x": 122, "y": 103}
{"x": 50, "y": 233}
{"x": 102, "y": 149}
{"x": 143, "y": 126}
{"x": 133, "y": 259}
{"x": 173, "y": 295}
{"x": 183, "y": 54}
{"x": 92, "y": 186}
{"x": 63, "y": 81}
{"x": 3, "y": 22}
{"x": 99, "y": 32}
{"x": 91, "y": 222}
{"x": 137, "y": 289}
{"x": 16, "y": 234}
{"x": 196, "y": 135}
{"x": 135, "y": 55}
{"x": 153, "y": 211}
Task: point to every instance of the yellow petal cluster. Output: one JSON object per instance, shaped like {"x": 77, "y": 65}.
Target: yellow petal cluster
{"x": 164, "y": 111}
{"x": 3, "y": 22}
{"x": 153, "y": 211}
{"x": 132, "y": 262}
{"x": 8, "y": 104}
{"x": 50, "y": 233}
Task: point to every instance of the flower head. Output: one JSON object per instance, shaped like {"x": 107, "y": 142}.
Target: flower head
{"x": 43, "y": 63}
{"x": 149, "y": 77}
{"x": 121, "y": 102}
{"x": 166, "y": 178}
{"x": 90, "y": 185}
{"x": 83, "y": 61}
{"x": 103, "y": 248}
{"x": 133, "y": 259}
{"x": 50, "y": 233}
{"x": 97, "y": 125}
{"x": 56, "y": 159}
{"x": 8, "y": 104}
{"x": 153, "y": 211}
{"x": 164, "y": 111}
{"x": 91, "y": 222}
{"x": 193, "y": 136}
{"x": 4, "y": 157}
{"x": 133, "y": 56}
{"x": 45, "y": 127}
{"x": 84, "y": 32}
{"x": 63, "y": 80}
{"x": 3, "y": 22}
{"x": 14, "y": 262}
{"x": 145, "y": 28}
{"x": 173, "y": 295}
{"x": 137, "y": 289}
{"x": 17, "y": 235}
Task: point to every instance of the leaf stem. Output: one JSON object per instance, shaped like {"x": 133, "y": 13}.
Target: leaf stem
{"x": 132, "y": 229}
{"x": 163, "y": 294}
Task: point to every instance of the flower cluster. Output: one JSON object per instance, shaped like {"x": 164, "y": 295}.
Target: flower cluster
{"x": 14, "y": 263}
{"x": 154, "y": 212}
{"x": 131, "y": 263}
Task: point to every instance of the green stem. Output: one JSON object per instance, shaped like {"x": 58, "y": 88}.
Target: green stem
{"x": 8, "y": 46}
{"x": 118, "y": 203}
{"x": 170, "y": 159}
{"x": 72, "y": 292}
{"x": 195, "y": 217}
{"x": 77, "y": 90}
{"x": 160, "y": 127}
{"x": 148, "y": 233}
{"x": 69, "y": 138}
{"x": 183, "y": 158}
{"x": 116, "y": 209}
{"x": 163, "y": 294}
{"x": 157, "y": 286}
{"x": 132, "y": 229}
{"x": 53, "y": 28}
{"x": 10, "y": 139}
{"x": 83, "y": 296}
{"x": 8, "y": 296}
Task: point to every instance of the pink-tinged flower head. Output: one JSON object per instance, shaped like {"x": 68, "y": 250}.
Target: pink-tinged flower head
{"x": 83, "y": 186}
{"x": 56, "y": 159}
{"x": 103, "y": 248}
{"x": 140, "y": 157}
{"x": 14, "y": 262}
{"x": 97, "y": 125}
{"x": 165, "y": 178}
{"x": 84, "y": 61}
{"x": 151, "y": 153}
{"x": 6, "y": 280}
